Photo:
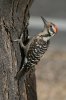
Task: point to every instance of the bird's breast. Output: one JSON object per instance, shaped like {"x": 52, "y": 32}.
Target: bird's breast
{"x": 36, "y": 51}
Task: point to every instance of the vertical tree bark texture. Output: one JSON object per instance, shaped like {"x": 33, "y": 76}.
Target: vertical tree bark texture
{"x": 14, "y": 15}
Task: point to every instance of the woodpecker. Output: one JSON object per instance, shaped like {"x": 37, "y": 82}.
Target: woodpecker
{"x": 36, "y": 47}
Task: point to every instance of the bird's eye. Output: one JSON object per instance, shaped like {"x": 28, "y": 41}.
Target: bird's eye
{"x": 51, "y": 28}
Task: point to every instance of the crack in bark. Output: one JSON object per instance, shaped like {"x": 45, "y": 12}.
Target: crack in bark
{"x": 13, "y": 13}
{"x": 17, "y": 4}
{"x": 7, "y": 30}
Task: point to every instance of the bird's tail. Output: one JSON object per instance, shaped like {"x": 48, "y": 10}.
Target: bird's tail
{"x": 19, "y": 74}
{"x": 22, "y": 72}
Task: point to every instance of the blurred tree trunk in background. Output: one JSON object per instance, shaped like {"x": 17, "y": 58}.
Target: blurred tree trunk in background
{"x": 14, "y": 15}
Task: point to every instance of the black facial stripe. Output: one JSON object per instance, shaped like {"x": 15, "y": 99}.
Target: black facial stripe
{"x": 46, "y": 35}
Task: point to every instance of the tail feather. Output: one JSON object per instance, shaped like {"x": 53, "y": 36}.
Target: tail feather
{"x": 22, "y": 72}
{"x": 19, "y": 74}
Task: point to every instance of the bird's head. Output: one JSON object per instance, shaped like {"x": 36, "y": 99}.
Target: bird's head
{"x": 50, "y": 27}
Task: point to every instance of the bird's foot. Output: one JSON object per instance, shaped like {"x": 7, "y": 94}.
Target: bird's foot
{"x": 20, "y": 41}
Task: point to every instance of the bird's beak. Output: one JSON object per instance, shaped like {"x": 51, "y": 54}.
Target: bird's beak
{"x": 45, "y": 22}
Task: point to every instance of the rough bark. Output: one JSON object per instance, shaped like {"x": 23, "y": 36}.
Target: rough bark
{"x": 14, "y": 14}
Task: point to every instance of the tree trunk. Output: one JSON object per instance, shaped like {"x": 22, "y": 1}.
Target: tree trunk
{"x": 14, "y": 15}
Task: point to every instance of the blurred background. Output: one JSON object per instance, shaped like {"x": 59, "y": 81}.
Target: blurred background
{"x": 51, "y": 71}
